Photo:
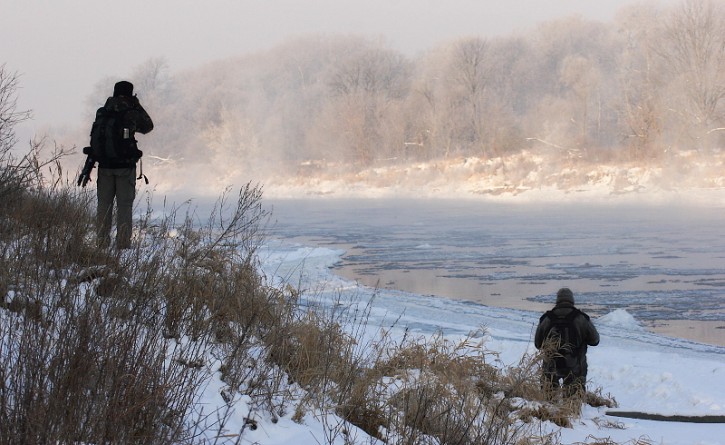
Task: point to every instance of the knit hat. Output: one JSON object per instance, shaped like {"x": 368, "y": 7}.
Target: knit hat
{"x": 123, "y": 88}
{"x": 565, "y": 295}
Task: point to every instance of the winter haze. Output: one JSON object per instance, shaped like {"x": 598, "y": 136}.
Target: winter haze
{"x": 63, "y": 48}
{"x": 534, "y": 101}
{"x": 405, "y": 97}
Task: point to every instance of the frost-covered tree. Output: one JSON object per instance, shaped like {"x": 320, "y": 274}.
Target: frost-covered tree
{"x": 641, "y": 83}
{"x": 695, "y": 53}
{"x": 365, "y": 88}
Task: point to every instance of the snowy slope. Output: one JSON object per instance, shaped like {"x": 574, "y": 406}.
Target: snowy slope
{"x": 642, "y": 371}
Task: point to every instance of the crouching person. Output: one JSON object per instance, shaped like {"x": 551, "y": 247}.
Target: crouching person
{"x": 564, "y": 334}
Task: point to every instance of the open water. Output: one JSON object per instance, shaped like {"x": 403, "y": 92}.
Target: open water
{"x": 663, "y": 265}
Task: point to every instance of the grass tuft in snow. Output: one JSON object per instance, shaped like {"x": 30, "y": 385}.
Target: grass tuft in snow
{"x": 120, "y": 347}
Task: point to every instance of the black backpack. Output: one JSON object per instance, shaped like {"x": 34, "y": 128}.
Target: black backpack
{"x": 109, "y": 140}
{"x": 567, "y": 338}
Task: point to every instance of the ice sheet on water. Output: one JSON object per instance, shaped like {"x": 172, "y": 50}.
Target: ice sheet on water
{"x": 309, "y": 267}
{"x": 625, "y": 270}
{"x": 644, "y": 371}
{"x": 691, "y": 304}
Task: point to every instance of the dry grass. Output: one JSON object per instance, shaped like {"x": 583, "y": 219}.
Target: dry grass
{"x": 591, "y": 440}
{"x": 108, "y": 347}
{"x": 84, "y": 358}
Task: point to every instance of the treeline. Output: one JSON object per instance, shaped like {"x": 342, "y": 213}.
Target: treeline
{"x": 650, "y": 82}
{"x": 183, "y": 340}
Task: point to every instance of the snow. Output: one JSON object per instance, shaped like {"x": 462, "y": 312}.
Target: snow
{"x": 528, "y": 177}
{"x": 620, "y": 318}
{"x": 642, "y": 371}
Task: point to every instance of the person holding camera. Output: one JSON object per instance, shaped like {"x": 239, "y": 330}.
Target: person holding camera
{"x": 114, "y": 147}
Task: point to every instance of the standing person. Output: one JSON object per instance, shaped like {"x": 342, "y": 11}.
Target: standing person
{"x": 564, "y": 334}
{"x": 114, "y": 147}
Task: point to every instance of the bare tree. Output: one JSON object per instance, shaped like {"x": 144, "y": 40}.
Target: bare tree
{"x": 695, "y": 53}
{"x": 10, "y": 116}
{"x": 640, "y": 81}
{"x": 581, "y": 77}
{"x": 364, "y": 90}
{"x": 466, "y": 96}
{"x": 151, "y": 79}
{"x": 452, "y": 94}
{"x": 507, "y": 91}
{"x": 572, "y": 98}
{"x": 576, "y": 86}
{"x": 19, "y": 174}
{"x": 430, "y": 128}
{"x": 15, "y": 174}
{"x": 469, "y": 75}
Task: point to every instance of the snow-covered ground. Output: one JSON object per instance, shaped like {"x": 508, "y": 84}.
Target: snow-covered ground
{"x": 523, "y": 177}
{"x": 642, "y": 371}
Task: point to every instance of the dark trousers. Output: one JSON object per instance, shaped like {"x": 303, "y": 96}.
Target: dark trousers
{"x": 117, "y": 184}
{"x": 570, "y": 381}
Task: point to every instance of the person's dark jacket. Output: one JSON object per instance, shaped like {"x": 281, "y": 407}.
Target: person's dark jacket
{"x": 584, "y": 325}
{"x": 135, "y": 118}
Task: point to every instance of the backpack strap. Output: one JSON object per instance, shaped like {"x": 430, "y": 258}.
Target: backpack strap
{"x": 573, "y": 314}
{"x": 548, "y": 314}
{"x": 568, "y": 318}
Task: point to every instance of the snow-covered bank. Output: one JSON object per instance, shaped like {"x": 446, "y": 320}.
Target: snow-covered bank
{"x": 341, "y": 188}
{"x": 524, "y": 177}
{"x": 642, "y": 371}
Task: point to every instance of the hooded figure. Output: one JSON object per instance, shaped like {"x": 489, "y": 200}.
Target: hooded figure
{"x": 564, "y": 334}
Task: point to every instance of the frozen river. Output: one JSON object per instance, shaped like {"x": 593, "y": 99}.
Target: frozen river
{"x": 665, "y": 266}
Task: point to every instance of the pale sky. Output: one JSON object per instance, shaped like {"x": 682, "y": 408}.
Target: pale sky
{"x": 62, "y": 48}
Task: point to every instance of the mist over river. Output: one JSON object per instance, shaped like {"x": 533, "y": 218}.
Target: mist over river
{"x": 661, "y": 264}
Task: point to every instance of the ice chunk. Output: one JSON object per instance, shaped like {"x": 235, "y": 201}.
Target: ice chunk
{"x": 620, "y": 318}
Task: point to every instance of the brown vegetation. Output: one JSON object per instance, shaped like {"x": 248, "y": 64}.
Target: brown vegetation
{"x": 102, "y": 346}
{"x": 114, "y": 347}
